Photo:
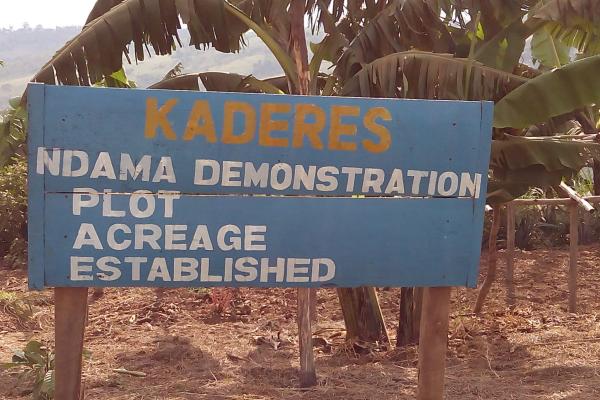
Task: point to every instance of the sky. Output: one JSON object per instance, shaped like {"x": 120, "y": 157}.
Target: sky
{"x": 48, "y": 13}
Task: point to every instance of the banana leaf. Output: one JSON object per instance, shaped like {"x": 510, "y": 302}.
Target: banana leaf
{"x": 423, "y": 75}
{"x": 554, "y": 93}
{"x": 519, "y": 163}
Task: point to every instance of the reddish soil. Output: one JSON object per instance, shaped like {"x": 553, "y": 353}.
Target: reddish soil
{"x": 190, "y": 350}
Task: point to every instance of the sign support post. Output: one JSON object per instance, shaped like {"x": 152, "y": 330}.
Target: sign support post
{"x": 308, "y": 375}
{"x": 70, "y": 311}
{"x": 433, "y": 343}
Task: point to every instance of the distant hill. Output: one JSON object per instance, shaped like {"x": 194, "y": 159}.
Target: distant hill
{"x": 24, "y": 51}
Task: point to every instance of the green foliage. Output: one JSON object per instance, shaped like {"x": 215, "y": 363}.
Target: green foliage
{"x": 576, "y": 23}
{"x": 526, "y": 219}
{"x": 268, "y": 38}
{"x": 389, "y": 32}
{"x": 116, "y": 79}
{"x": 327, "y": 50}
{"x": 512, "y": 156}
{"x": 17, "y": 253}
{"x": 13, "y": 212}
{"x": 519, "y": 163}
{"x": 553, "y": 93}
{"x": 548, "y": 50}
{"x": 37, "y": 362}
{"x": 13, "y": 129}
{"x": 448, "y": 78}
{"x": 583, "y": 183}
{"x": 541, "y": 226}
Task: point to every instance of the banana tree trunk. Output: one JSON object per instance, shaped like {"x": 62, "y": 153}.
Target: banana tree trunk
{"x": 409, "y": 319}
{"x": 362, "y": 315}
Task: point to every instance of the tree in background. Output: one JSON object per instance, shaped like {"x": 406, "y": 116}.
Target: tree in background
{"x": 545, "y": 113}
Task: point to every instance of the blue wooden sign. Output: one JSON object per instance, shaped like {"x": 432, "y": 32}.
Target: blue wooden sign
{"x": 177, "y": 188}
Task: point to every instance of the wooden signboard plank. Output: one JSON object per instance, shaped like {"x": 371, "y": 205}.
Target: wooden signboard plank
{"x": 334, "y": 138}
{"x": 264, "y": 241}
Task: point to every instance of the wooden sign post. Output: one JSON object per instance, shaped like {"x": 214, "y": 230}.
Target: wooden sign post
{"x": 70, "y": 310}
{"x": 433, "y": 341}
{"x": 153, "y": 188}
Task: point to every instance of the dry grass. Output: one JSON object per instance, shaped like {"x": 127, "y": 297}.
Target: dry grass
{"x": 187, "y": 351}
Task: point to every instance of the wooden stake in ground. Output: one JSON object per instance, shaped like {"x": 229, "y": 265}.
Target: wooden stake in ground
{"x": 492, "y": 261}
{"x": 70, "y": 310}
{"x": 433, "y": 343}
{"x": 510, "y": 254}
{"x": 573, "y": 249}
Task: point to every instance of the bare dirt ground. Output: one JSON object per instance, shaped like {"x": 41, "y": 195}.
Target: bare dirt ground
{"x": 188, "y": 350}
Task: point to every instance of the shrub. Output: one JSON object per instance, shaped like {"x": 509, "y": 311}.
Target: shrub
{"x": 37, "y": 362}
{"x": 13, "y": 213}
